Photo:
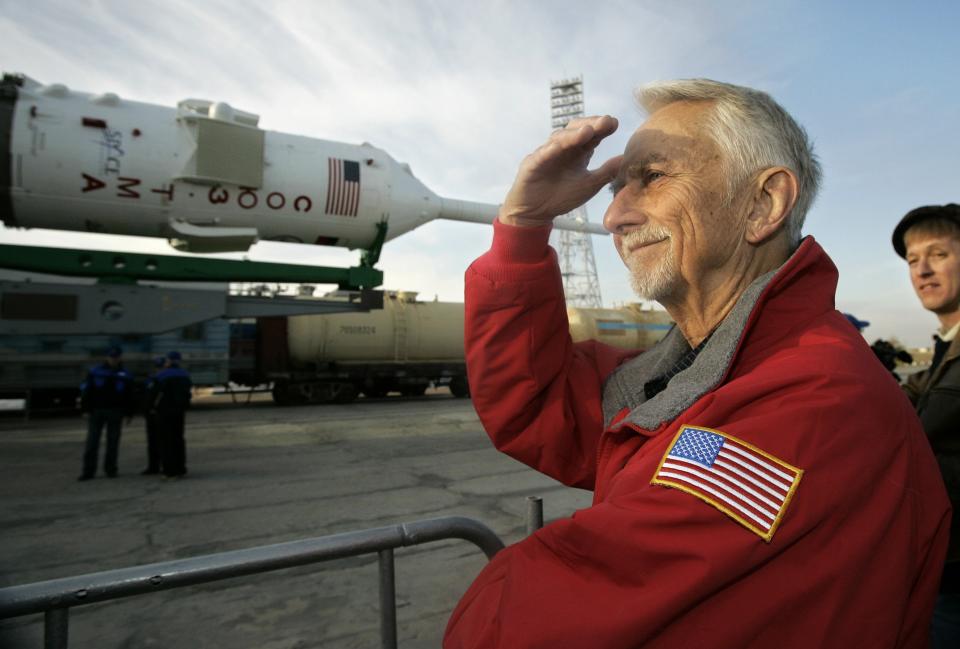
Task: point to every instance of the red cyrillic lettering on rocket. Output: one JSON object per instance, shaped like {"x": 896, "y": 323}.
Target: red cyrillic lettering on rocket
{"x": 306, "y": 201}
{"x": 92, "y": 183}
{"x": 166, "y": 190}
{"x": 124, "y": 191}
{"x": 276, "y": 200}
{"x": 247, "y": 199}
{"x": 222, "y": 197}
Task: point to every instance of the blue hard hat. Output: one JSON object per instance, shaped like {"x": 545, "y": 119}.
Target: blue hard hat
{"x": 173, "y": 355}
{"x": 114, "y": 352}
{"x": 859, "y": 324}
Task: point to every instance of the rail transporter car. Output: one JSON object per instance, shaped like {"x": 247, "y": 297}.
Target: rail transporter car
{"x": 403, "y": 348}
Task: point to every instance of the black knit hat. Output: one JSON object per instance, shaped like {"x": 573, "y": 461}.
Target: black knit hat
{"x": 950, "y": 211}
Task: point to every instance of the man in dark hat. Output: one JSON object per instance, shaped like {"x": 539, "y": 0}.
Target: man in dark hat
{"x": 106, "y": 395}
{"x": 150, "y": 419}
{"x": 171, "y": 398}
{"x": 929, "y": 239}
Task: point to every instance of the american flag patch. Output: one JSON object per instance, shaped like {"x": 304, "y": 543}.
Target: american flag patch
{"x": 748, "y": 485}
{"x": 343, "y": 187}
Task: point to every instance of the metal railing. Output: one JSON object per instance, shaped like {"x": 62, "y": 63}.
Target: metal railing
{"x": 54, "y": 598}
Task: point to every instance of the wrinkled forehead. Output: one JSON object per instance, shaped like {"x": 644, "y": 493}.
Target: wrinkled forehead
{"x": 674, "y": 132}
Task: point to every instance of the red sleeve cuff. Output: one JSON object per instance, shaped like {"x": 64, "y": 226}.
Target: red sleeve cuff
{"x": 519, "y": 244}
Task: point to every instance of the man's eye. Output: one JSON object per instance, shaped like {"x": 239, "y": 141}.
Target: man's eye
{"x": 652, "y": 176}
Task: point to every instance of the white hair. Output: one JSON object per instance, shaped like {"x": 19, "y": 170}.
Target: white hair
{"x": 753, "y": 133}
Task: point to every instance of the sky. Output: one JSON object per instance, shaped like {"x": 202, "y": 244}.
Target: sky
{"x": 460, "y": 91}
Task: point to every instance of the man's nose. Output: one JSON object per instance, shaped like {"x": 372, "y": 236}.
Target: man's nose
{"x": 624, "y": 212}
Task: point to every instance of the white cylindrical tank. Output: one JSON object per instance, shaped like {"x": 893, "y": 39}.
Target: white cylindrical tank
{"x": 404, "y": 330}
{"x": 407, "y": 330}
{"x": 629, "y": 327}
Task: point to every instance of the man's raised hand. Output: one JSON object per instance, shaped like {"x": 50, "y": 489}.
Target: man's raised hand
{"x": 554, "y": 179}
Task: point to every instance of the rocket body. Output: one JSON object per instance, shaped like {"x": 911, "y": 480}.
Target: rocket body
{"x": 202, "y": 175}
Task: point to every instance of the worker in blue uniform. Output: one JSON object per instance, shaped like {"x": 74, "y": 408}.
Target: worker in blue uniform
{"x": 150, "y": 420}
{"x": 106, "y": 396}
{"x": 171, "y": 393}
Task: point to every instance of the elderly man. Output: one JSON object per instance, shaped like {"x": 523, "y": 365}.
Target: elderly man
{"x": 929, "y": 239}
{"x": 759, "y": 479}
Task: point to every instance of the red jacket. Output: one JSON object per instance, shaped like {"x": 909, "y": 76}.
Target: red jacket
{"x": 855, "y": 553}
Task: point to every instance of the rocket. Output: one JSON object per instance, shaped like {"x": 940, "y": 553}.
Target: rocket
{"x": 202, "y": 175}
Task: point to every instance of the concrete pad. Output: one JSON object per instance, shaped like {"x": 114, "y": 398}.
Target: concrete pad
{"x": 260, "y": 474}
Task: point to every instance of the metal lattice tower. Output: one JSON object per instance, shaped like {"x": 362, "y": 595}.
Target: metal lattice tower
{"x": 574, "y": 249}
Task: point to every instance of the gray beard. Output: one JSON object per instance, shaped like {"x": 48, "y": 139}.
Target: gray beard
{"x": 659, "y": 282}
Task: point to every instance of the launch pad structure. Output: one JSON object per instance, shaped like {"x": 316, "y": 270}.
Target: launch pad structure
{"x": 574, "y": 247}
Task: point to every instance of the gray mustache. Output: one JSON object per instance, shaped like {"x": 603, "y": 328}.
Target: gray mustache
{"x": 643, "y": 237}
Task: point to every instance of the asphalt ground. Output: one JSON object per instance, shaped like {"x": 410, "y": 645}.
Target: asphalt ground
{"x": 261, "y": 474}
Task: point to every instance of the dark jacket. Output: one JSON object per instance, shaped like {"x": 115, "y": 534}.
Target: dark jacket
{"x": 171, "y": 390}
{"x": 936, "y": 396}
{"x": 107, "y": 388}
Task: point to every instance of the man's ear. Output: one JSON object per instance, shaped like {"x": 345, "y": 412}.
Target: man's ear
{"x": 775, "y": 194}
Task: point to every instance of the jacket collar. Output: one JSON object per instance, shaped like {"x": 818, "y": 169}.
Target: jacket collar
{"x": 953, "y": 352}
{"x": 948, "y": 335}
{"x": 774, "y": 304}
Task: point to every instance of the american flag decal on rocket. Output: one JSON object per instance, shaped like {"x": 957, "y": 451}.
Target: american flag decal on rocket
{"x": 343, "y": 187}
